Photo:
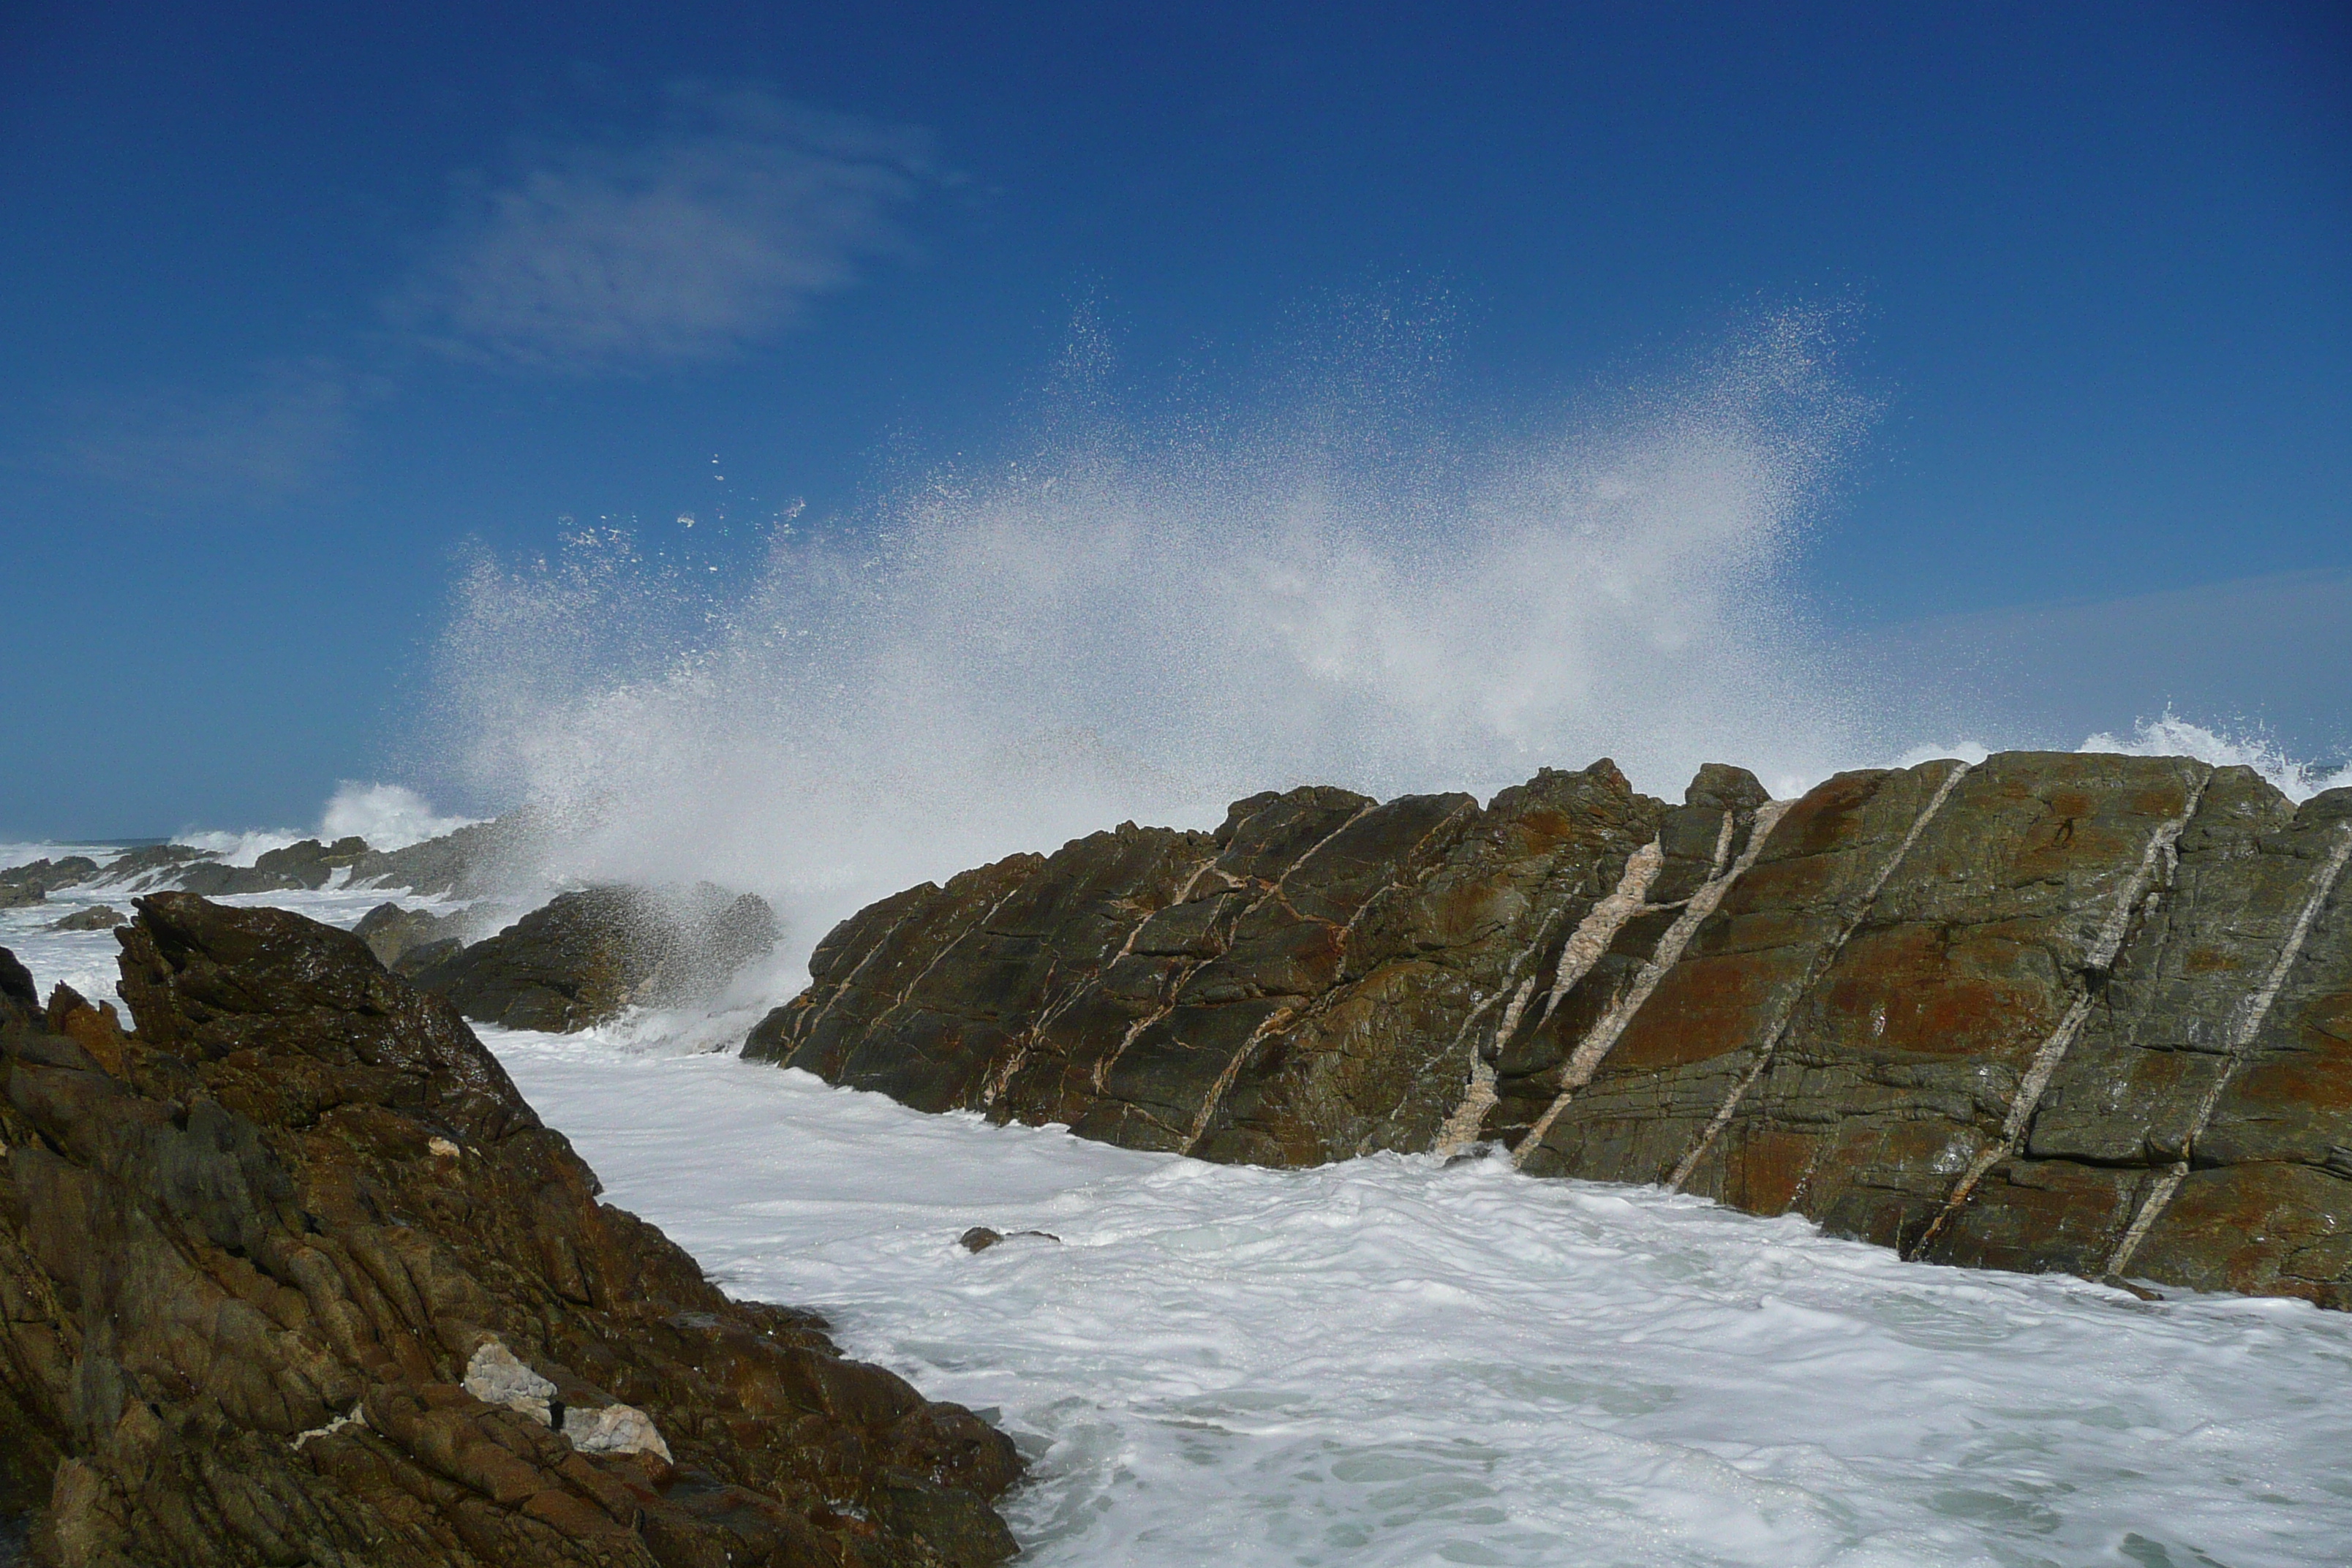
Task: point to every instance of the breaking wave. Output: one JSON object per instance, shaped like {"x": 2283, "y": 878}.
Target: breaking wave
{"x": 1150, "y": 617}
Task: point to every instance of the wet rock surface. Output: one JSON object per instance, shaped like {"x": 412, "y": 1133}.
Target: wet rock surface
{"x": 307, "y": 863}
{"x": 30, "y": 884}
{"x": 582, "y": 957}
{"x": 293, "y": 1275}
{"x": 474, "y": 860}
{"x": 98, "y": 917}
{"x": 2052, "y": 1011}
{"x": 404, "y": 941}
{"x": 152, "y": 865}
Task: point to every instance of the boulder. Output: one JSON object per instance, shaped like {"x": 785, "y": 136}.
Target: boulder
{"x": 581, "y": 958}
{"x": 98, "y": 917}
{"x": 2050, "y": 1011}
{"x": 397, "y": 935}
{"x": 293, "y": 1275}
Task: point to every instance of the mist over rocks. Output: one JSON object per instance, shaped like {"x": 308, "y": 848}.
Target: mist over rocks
{"x": 293, "y": 1274}
{"x": 585, "y": 956}
{"x": 2087, "y": 1012}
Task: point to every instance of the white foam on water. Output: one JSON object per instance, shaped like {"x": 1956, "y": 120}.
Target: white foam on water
{"x": 388, "y": 815}
{"x": 2170, "y": 735}
{"x": 1390, "y": 1361}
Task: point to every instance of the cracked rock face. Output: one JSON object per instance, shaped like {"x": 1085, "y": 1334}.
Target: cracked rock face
{"x": 2052, "y": 1011}
{"x": 293, "y": 1275}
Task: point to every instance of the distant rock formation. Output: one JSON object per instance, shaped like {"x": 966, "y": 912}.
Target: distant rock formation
{"x": 96, "y": 917}
{"x": 308, "y": 865}
{"x": 2053, "y": 1011}
{"x": 479, "y": 858}
{"x": 293, "y": 1275}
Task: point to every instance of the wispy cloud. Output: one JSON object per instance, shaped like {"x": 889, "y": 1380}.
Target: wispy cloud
{"x": 263, "y": 442}
{"x": 709, "y": 235}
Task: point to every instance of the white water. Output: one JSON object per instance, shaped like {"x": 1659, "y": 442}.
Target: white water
{"x": 1391, "y": 1362}
{"x": 1145, "y": 616}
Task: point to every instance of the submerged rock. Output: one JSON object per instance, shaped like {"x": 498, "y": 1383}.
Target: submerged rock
{"x": 98, "y": 917}
{"x": 582, "y": 957}
{"x": 2050, "y": 1011}
{"x": 293, "y": 1275}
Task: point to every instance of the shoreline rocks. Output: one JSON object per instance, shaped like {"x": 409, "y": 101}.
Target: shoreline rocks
{"x": 262, "y": 1259}
{"x": 582, "y": 957}
{"x": 2051, "y": 1011}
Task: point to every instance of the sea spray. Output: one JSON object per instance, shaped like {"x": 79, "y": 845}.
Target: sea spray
{"x": 1148, "y": 617}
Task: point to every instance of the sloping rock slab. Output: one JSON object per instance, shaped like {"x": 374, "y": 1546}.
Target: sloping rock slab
{"x": 2051, "y": 1011}
{"x": 294, "y": 1275}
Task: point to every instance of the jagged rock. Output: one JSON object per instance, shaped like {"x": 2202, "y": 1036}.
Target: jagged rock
{"x": 98, "y": 917}
{"x": 293, "y": 1275}
{"x": 404, "y": 941}
{"x": 582, "y": 957}
{"x": 470, "y": 862}
{"x": 308, "y": 865}
{"x": 2053, "y": 1011}
{"x": 151, "y": 863}
{"x": 42, "y": 878}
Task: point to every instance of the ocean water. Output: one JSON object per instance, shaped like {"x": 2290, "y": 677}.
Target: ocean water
{"x": 1396, "y": 1361}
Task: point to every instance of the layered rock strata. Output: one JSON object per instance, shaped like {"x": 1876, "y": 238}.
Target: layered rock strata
{"x": 292, "y": 1274}
{"x": 2089, "y": 1013}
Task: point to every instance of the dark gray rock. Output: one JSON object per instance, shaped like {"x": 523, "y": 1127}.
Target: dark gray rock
{"x": 396, "y": 935}
{"x": 150, "y": 864}
{"x": 42, "y": 878}
{"x": 98, "y": 917}
{"x": 478, "y": 859}
{"x": 305, "y": 865}
{"x": 585, "y": 956}
{"x": 979, "y": 1238}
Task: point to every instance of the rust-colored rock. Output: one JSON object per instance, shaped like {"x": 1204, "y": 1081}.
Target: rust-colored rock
{"x": 293, "y": 1275}
{"x": 2052, "y": 1011}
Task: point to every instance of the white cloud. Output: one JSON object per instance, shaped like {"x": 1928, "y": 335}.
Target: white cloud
{"x": 265, "y": 442}
{"x": 711, "y": 234}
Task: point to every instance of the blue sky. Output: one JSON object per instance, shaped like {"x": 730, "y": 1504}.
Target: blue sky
{"x": 295, "y": 309}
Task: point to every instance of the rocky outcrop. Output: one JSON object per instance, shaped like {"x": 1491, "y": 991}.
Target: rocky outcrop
{"x": 2052, "y": 1011}
{"x": 404, "y": 941}
{"x": 293, "y": 1275}
{"x": 581, "y": 958}
{"x": 482, "y": 857}
{"x": 307, "y": 865}
{"x": 96, "y": 917}
{"x": 29, "y": 884}
{"x": 152, "y": 865}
